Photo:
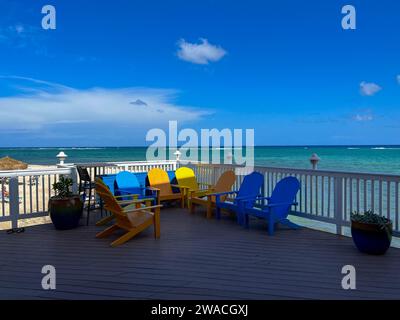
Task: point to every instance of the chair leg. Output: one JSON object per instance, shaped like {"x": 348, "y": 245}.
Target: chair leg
{"x": 246, "y": 220}
{"x": 88, "y": 208}
{"x": 157, "y": 223}
{"x": 107, "y": 231}
{"x": 209, "y": 211}
{"x": 192, "y": 207}
{"x": 239, "y": 218}
{"x": 101, "y": 207}
{"x": 183, "y": 201}
{"x": 104, "y": 220}
{"x": 127, "y": 236}
{"x": 271, "y": 225}
{"x": 218, "y": 212}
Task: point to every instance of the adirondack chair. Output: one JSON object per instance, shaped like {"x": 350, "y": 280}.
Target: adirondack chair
{"x": 127, "y": 183}
{"x": 224, "y": 184}
{"x": 123, "y": 198}
{"x": 249, "y": 190}
{"x": 278, "y": 205}
{"x": 159, "y": 181}
{"x": 188, "y": 184}
{"x": 133, "y": 216}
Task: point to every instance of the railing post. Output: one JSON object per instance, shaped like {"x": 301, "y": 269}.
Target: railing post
{"x": 14, "y": 201}
{"x": 74, "y": 177}
{"x": 338, "y": 204}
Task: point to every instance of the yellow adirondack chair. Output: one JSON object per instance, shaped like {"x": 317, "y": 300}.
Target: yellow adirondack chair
{"x": 188, "y": 183}
{"x": 159, "y": 181}
{"x": 130, "y": 215}
{"x": 224, "y": 184}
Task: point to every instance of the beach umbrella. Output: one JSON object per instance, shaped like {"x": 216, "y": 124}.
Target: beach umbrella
{"x": 8, "y": 163}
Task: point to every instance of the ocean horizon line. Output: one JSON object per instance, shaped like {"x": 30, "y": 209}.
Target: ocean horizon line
{"x": 210, "y": 147}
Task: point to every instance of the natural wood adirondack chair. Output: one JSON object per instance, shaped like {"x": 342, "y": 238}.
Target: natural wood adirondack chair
{"x": 130, "y": 215}
{"x": 159, "y": 181}
{"x": 224, "y": 184}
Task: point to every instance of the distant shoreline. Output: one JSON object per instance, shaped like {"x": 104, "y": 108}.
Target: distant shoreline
{"x": 257, "y": 146}
{"x": 383, "y": 159}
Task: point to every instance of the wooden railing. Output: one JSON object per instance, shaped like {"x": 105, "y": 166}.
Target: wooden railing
{"x": 101, "y": 168}
{"x": 25, "y": 193}
{"x": 325, "y": 196}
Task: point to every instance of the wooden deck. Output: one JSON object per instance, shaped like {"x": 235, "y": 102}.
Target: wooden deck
{"x": 195, "y": 258}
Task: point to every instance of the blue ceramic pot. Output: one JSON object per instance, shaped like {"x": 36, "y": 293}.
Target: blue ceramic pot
{"x": 371, "y": 238}
{"x": 65, "y": 213}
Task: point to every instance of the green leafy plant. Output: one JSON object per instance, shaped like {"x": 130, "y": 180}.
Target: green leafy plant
{"x": 372, "y": 218}
{"x": 63, "y": 187}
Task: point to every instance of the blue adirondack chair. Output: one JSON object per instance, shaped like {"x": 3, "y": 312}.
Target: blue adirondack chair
{"x": 249, "y": 190}
{"x": 126, "y": 183}
{"x": 278, "y": 205}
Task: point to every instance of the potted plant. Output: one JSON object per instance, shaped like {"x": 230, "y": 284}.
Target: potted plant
{"x": 371, "y": 233}
{"x": 65, "y": 207}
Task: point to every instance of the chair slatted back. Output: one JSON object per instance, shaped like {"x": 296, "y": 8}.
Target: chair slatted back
{"x": 285, "y": 191}
{"x": 224, "y": 183}
{"x": 251, "y": 187}
{"x": 159, "y": 179}
{"x": 186, "y": 178}
{"x": 111, "y": 204}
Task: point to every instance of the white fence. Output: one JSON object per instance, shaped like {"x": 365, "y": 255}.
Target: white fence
{"x": 326, "y": 196}
{"x": 101, "y": 168}
{"x": 25, "y": 193}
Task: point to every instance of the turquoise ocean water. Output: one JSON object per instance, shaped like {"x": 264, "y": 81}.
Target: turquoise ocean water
{"x": 379, "y": 159}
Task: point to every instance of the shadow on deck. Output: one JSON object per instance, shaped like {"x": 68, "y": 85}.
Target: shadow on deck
{"x": 195, "y": 258}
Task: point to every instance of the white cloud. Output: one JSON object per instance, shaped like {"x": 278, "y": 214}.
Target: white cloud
{"x": 53, "y": 104}
{"x": 363, "y": 116}
{"x": 369, "y": 88}
{"x": 200, "y": 53}
{"x": 398, "y": 79}
{"x": 23, "y": 37}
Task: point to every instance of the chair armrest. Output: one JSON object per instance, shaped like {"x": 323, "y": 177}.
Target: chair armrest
{"x": 280, "y": 204}
{"x": 222, "y": 193}
{"x": 263, "y": 198}
{"x": 205, "y": 184}
{"x": 153, "y": 189}
{"x": 201, "y": 192}
{"x": 178, "y": 186}
{"x": 135, "y": 200}
{"x": 143, "y": 208}
{"x": 244, "y": 199}
{"x": 127, "y": 195}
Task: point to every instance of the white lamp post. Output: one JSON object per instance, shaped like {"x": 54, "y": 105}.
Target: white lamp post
{"x": 314, "y": 160}
{"x": 61, "y": 157}
{"x": 177, "y": 155}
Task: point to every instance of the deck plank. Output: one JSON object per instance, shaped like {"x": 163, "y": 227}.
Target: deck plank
{"x": 195, "y": 258}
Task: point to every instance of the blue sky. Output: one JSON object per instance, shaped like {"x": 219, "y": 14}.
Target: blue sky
{"x": 114, "y": 69}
